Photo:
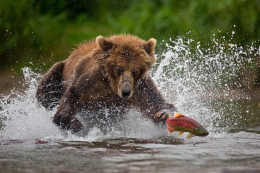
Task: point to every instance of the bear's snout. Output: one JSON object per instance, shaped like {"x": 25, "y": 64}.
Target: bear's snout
{"x": 125, "y": 87}
{"x": 126, "y": 91}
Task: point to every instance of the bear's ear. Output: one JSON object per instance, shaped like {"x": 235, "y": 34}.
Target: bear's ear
{"x": 103, "y": 43}
{"x": 149, "y": 46}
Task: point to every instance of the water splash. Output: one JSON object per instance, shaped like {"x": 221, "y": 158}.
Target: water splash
{"x": 189, "y": 76}
{"x": 196, "y": 78}
{"x": 24, "y": 117}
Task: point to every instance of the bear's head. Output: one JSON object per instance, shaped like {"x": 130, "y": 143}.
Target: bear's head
{"x": 125, "y": 59}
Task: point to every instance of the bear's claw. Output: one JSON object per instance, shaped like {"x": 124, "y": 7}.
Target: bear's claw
{"x": 162, "y": 115}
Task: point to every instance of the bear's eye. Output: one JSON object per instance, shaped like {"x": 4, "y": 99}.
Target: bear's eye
{"x": 119, "y": 71}
{"x": 134, "y": 73}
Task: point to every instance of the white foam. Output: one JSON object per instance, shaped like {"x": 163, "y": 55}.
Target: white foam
{"x": 25, "y": 118}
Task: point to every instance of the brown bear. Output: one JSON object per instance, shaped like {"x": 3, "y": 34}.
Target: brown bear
{"x": 108, "y": 73}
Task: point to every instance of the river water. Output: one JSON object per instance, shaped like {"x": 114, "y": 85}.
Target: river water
{"x": 195, "y": 79}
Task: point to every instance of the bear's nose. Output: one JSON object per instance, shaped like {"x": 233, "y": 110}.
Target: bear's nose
{"x": 126, "y": 93}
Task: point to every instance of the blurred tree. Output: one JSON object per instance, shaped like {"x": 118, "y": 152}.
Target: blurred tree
{"x": 25, "y": 33}
{"x": 73, "y": 8}
{"x": 164, "y": 18}
{"x": 29, "y": 29}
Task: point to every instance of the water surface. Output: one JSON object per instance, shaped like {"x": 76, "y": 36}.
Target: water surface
{"x": 194, "y": 79}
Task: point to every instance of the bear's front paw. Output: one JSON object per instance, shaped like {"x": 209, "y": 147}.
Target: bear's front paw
{"x": 75, "y": 126}
{"x": 162, "y": 115}
{"x": 66, "y": 123}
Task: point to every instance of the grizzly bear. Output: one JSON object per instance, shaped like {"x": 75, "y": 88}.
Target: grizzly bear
{"x": 108, "y": 73}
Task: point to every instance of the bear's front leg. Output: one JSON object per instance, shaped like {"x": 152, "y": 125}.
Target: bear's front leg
{"x": 151, "y": 103}
{"x": 65, "y": 115}
{"x": 66, "y": 120}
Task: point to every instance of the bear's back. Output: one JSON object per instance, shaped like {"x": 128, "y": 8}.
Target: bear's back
{"x": 83, "y": 51}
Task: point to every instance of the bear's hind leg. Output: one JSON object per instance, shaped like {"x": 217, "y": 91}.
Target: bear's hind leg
{"x": 50, "y": 89}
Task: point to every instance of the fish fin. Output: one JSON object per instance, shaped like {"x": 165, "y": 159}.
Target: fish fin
{"x": 170, "y": 130}
{"x": 189, "y": 136}
{"x": 180, "y": 133}
{"x": 177, "y": 115}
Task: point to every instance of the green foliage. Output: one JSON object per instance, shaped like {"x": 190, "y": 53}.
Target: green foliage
{"x": 25, "y": 33}
{"x": 40, "y": 30}
{"x": 164, "y": 18}
{"x": 72, "y": 8}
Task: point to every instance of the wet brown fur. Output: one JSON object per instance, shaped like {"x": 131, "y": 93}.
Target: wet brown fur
{"x": 94, "y": 76}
